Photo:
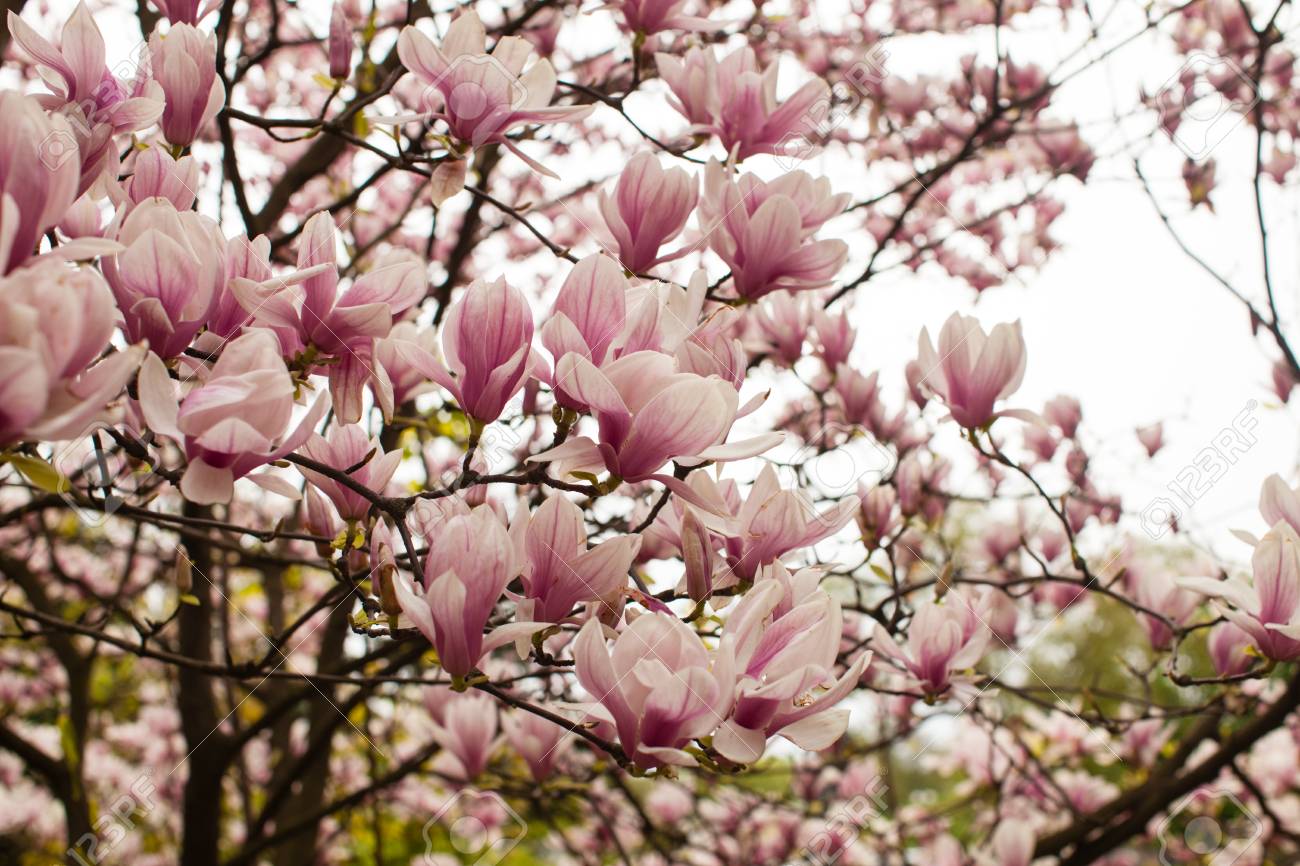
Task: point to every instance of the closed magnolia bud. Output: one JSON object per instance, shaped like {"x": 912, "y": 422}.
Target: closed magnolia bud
{"x": 697, "y": 553}
{"x": 340, "y": 44}
{"x": 384, "y": 567}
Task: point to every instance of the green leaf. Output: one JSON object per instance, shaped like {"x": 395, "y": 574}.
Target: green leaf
{"x": 40, "y": 473}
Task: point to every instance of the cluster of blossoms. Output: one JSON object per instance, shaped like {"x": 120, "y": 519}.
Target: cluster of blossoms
{"x": 387, "y": 402}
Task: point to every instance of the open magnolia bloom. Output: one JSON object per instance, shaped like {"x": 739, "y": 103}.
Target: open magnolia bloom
{"x": 787, "y": 636}
{"x": 1266, "y": 605}
{"x": 648, "y": 414}
{"x": 660, "y": 687}
{"x": 235, "y": 418}
{"x": 943, "y": 640}
{"x": 561, "y": 571}
{"x": 483, "y": 96}
{"x": 469, "y": 562}
{"x": 971, "y": 370}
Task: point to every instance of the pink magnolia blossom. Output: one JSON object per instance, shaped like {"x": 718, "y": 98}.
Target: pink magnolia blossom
{"x": 86, "y": 92}
{"x": 660, "y": 687}
{"x": 170, "y": 275}
{"x": 1265, "y": 606}
{"x": 55, "y": 321}
{"x": 347, "y": 448}
{"x": 1227, "y": 645}
{"x": 468, "y": 564}
{"x": 1152, "y": 437}
{"x": 877, "y": 518}
{"x": 736, "y": 100}
{"x": 648, "y": 17}
{"x": 773, "y": 522}
{"x": 245, "y": 260}
{"x": 467, "y": 732}
{"x": 157, "y": 175}
{"x": 783, "y": 320}
{"x": 483, "y": 96}
{"x": 835, "y": 337}
{"x": 1012, "y": 844}
{"x": 1064, "y": 413}
{"x": 972, "y": 370}
{"x": 859, "y": 396}
{"x": 649, "y": 414}
{"x": 394, "y": 352}
{"x": 1159, "y": 592}
{"x": 487, "y": 340}
{"x": 342, "y": 327}
{"x": 561, "y": 571}
{"x": 1278, "y": 501}
{"x": 183, "y": 62}
{"x": 235, "y": 420}
{"x": 942, "y": 640}
{"x": 784, "y": 655}
{"x": 34, "y": 189}
{"x": 95, "y": 103}
{"x": 340, "y": 43}
{"x": 648, "y": 208}
{"x": 540, "y": 742}
{"x": 763, "y": 231}
{"x": 590, "y": 312}
{"x": 185, "y": 11}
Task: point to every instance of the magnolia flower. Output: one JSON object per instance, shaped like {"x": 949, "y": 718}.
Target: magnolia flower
{"x": 245, "y": 260}
{"x": 184, "y": 62}
{"x": 561, "y": 571}
{"x": 835, "y": 337}
{"x": 784, "y": 655}
{"x": 55, "y": 320}
{"x": 1152, "y": 437}
{"x": 393, "y": 353}
{"x": 1278, "y": 501}
{"x": 942, "y": 639}
{"x": 650, "y": 414}
{"x": 877, "y": 519}
{"x": 1065, "y": 413}
{"x": 1012, "y": 844}
{"x": 469, "y": 562}
{"x": 347, "y": 448}
{"x": 763, "y": 231}
{"x": 1158, "y": 591}
{"x": 660, "y": 688}
{"x": 773, "y": 522}
{"x": 236, "y": 419}
{"x": 649, "y": 207}
{"x": 972, "y": 370}
{"x": 340, "y": 43}
{"x": 482, "y": 96}
{"x": 736, "y": 100}
{"x": 157, "y": 175}
{"x": 1265, "y": 606}
{"x": 589, "y": 313}
{"x": 487, "y": 340}
{"x": 341, "y": 327}
{"x": 170, "y": 275}
{"x": 96, "y": 105}
{"x": 1227, "y": 646}
{"x": 34, "y": 189}
{"x": 467, "y": 732}
{"x": 648, "y": 17}
{"x": 185, "y": 11}
{"x": 540, "y": 742}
